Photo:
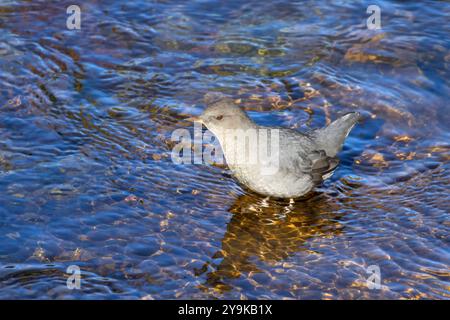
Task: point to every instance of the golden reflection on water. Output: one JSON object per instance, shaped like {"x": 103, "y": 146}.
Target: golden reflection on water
{"x": 85, "y": 162}
{"x": 269, "y": 231}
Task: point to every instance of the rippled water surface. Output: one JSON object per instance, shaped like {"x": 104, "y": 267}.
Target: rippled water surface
{"x": 86, "y": 177}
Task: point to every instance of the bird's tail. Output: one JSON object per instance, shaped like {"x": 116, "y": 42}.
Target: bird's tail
{"x": 331, "y": 138}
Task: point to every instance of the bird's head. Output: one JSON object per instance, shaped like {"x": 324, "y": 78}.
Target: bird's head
{"x": 222, "y": 113}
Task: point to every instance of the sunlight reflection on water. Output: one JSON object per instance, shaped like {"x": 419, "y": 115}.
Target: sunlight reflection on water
{"x": 86, "y": 177}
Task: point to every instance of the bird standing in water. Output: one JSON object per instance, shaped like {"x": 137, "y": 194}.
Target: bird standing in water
{"x": 301, "y": 160}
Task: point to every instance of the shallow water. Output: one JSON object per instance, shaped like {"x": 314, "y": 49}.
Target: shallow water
{"x": 86, "y": 177}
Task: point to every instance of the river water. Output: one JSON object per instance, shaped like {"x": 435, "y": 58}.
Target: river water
{"x": 86, "y": 176}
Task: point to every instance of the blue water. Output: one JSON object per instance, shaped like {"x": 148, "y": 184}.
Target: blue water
{"x": 86, "y": 177}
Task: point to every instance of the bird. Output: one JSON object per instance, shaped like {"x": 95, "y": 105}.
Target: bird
{"x": 298, "y": 161}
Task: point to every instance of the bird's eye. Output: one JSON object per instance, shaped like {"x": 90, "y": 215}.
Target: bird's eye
{"x": 219, "y": 118}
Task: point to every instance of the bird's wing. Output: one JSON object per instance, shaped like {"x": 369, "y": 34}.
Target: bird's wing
{"x": 320, "y": 166}
{"x": 305, "y": 158}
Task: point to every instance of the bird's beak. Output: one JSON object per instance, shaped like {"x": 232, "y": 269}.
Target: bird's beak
{"x": 194, "y": 119}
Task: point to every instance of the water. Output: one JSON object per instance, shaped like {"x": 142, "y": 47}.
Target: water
{"x": 86, "y": 176}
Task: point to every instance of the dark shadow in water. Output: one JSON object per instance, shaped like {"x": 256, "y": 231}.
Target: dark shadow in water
{"x": 268, "y": 231}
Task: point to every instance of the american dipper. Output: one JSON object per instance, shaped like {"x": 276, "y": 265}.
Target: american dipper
{"x": 298, "y": 161}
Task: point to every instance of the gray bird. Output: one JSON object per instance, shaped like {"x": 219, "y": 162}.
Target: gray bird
{"x": 297, "y": 163}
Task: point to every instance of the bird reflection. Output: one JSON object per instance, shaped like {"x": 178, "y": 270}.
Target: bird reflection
{"x": 268, "y": 231}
